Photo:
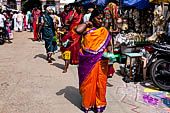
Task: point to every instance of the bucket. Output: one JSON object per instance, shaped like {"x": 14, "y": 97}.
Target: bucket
{"x": 66, "y": 55}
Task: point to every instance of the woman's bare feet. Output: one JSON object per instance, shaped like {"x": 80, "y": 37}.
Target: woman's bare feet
{"x": 64, "y": 71}
{"x": 49, "y": 60}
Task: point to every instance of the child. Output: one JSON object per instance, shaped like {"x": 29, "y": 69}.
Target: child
{"x": 111, "y": 69}
{"x": 66, "y": 54}
{"x": 112, "y": 59}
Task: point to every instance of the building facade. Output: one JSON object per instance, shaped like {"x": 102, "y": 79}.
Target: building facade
{"x": 54, "y": 4}
{"x": 16, "y": 4}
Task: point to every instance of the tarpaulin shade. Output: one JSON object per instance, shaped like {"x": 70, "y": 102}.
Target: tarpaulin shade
{"x": 105, "y": 2}
{"x": 102, "y": 3}
{"x": 88, "y": 4}
{"x": 140, "y": 4}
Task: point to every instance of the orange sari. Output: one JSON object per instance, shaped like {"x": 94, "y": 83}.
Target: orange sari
{"x": 93, "y": 70}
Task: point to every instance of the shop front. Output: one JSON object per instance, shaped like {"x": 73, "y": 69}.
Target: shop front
{"x": 143, "y": 35}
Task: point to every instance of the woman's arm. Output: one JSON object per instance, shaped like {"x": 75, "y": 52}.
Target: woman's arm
{"x": 41, "y": 25}
{"x": 82, "y": 27}
{"x": 55, "y": 22}
{"x": 55, "y": 26}
{"x": 66, "y": 23}
{"x": 109, "y": 48}
{"x": 72, "y": 16}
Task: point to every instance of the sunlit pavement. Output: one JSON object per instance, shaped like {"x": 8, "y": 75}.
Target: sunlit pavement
{"x": 28, "y": 84}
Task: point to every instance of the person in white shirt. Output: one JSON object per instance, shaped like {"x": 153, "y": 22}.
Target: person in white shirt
{"x": 20, "y": 18}
{"x": 2, "y": 20}
{"x": 15, "y": 21}
{"x": 2, "y": 25}
{"x": 87, "y": 16}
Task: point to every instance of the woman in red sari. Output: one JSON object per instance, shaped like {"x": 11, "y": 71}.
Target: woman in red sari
{"x": 93, "y": 66}
{"x": 36, "y": 14}
{"x": 73, "y": 19}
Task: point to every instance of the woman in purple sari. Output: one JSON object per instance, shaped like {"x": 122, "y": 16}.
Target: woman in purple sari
{"x": 93, "y": 67}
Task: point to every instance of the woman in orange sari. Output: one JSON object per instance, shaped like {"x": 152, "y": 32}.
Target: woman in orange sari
{"x": 72, "y": 20}
{"x": 93, "y": 67}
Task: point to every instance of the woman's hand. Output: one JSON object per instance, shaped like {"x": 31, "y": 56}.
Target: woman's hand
{"x": 74, "y": 11}
{"x": 89, "y": 24}
{"x": 72, "y": 16}
{"x": 109, "y": 48}
{"x": 38, "y": 36}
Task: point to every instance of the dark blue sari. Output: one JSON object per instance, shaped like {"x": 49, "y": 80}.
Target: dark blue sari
{"x": 48, "y": 33}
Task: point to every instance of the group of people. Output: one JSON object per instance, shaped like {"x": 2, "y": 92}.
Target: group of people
{"x": 15, "y": 20}
{"x": 5, "y": 24}
{"x": 84, "y": 40}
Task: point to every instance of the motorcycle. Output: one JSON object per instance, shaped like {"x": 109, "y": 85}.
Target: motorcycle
{"x": 2, "y": 36}
{"x": 159, "y": 65}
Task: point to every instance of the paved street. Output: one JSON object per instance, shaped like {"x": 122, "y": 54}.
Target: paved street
{"x": 29, "y": 84}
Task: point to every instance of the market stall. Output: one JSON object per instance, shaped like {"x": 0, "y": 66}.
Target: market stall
{"x": 141, "y": 23}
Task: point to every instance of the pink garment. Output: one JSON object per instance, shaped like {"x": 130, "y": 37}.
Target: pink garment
{"x": 7, "y": 24}
{"x": 25, "y": 24}
{"x": 6, "y": 16}
{"x": 9, "y": 30}
{"x": 36, "y": 15}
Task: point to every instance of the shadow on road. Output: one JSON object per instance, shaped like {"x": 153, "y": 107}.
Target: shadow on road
{"x": 59, "y": 57}
{"x": 119, "y": 73}
{"x": 149, "y": 84}
{"x": 41, "y": 56}
{"x": 71, "y": 94}
{"x": 31, "y": 39}
{"x": 61, "y": 66}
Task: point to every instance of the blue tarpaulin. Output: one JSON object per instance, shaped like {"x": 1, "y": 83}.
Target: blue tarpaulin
{"x": 88, "y": 4}
{"x": 102, "y": 3}
{"x": 105, "y": 2}
{"x": 140, "y": 4}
